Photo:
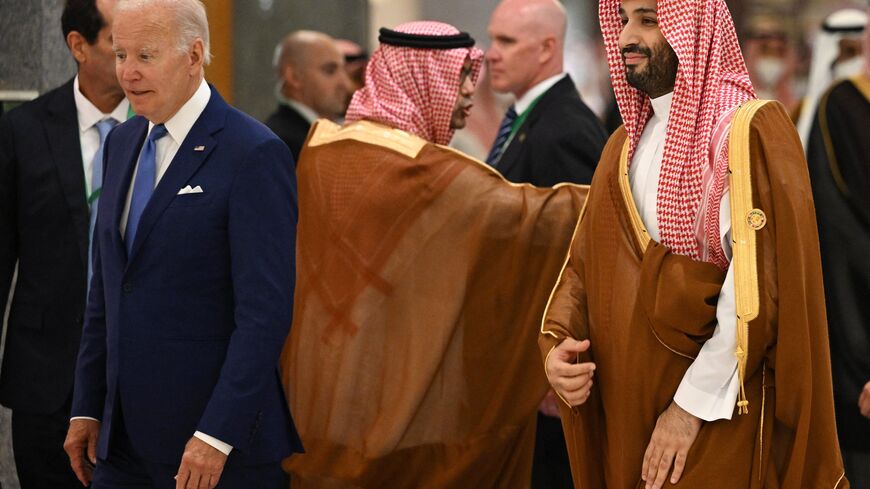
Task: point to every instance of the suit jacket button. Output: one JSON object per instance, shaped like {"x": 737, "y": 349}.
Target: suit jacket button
{"x": 128, "y": 287}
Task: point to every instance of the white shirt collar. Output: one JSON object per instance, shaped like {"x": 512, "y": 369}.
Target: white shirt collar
{"x": 662, "y": 105}
{"x": 526, "y": 100}
{"x": 89, "y": 114}
{"x": 303, "y": 110}
{"x": 183, "y": 120}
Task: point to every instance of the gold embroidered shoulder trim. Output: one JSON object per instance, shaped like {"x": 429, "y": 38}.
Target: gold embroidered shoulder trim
{"x": 640, "y": 232}
{"x": 862, "y": 83}
{"x": 744, "y": 221}
{"x": 325, "y": 132}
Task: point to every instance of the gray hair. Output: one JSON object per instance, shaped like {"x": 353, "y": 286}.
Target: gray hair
{"x": 190, "y": 21}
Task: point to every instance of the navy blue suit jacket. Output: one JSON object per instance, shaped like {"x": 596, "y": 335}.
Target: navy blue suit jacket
{"x": 185, "y": 333}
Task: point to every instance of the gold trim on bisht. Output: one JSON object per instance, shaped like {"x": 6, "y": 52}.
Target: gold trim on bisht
{"x": 640, "y": 233}
{"x": 325, "y": 132}
{"x": 745, "y": 222}
{"x": 862, "y": 83}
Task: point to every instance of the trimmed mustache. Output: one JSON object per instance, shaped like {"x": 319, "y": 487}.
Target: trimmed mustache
{"x": 635, "y": 49}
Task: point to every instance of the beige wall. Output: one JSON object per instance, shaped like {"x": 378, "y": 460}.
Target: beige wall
{"x": 390, "y": 13}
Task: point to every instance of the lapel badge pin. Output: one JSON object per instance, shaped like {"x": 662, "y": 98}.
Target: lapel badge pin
{"x": 522, "y": 137}
{"x": 756, "y": 219}
{"x": 199, "y": 148}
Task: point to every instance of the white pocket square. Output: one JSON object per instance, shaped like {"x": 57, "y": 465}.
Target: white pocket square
{"x": 188, "y": 190}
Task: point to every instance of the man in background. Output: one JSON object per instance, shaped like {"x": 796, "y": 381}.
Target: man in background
{"x": 837, "y": 155}
{"x": 312, "y": 84}
{"x": 548, "y": 136}
{"x": 50, "y": 181}
{"x": 355, "y": 61}
{"x": 836, "y": 56}
{"x": 771, "y": 61}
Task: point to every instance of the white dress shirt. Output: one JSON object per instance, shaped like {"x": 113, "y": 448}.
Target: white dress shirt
{"x": 89, "y": 137}
{"x": 710, "y": 386}
{"x": 307, "y": 113}
{"x": 166, "y": 147}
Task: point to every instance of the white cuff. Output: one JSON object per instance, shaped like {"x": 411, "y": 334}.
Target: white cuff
{"x": 214, "y": 442}
{"x": 710, "y": 386}
{"x": 85, "y": 417}
{"x": 706, "y": 405}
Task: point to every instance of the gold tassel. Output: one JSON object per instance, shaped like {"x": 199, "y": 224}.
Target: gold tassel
{"x": 741, "y": 354}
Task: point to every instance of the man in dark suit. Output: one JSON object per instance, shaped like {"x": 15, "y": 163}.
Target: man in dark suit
{"x": 312, "y": 84}
{"x": 49, "y": 186}
{"x": 191, "y": 300}
{"x": 547, "y": 137}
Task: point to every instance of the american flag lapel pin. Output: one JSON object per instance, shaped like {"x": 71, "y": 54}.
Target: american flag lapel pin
{"x": 199, "y": 148}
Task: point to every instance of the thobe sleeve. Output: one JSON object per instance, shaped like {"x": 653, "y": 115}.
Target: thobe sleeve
{"x": 565, "y": 314}
{"x": 710, "y": 386}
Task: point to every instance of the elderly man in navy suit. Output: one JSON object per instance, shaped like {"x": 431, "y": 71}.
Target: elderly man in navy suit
{"x": 191, "y": 298}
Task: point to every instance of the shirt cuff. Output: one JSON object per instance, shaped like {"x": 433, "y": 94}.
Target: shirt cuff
{"x": 214, "y": 442}
{"x": 84, "y": 417}
{"x": 708, "y": 406}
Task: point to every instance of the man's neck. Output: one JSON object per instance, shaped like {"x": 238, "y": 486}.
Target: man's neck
{"x": 191, "y": 90}
{"x": 543, "y": 75}
{"x": 104, "y": 100}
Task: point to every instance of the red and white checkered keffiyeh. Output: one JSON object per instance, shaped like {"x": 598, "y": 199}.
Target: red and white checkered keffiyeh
{"x": 712, "y": 80}
{"x": 415, "y": 89}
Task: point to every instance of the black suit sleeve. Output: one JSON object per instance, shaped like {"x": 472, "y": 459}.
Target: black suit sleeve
{"x": 8, "y": 220}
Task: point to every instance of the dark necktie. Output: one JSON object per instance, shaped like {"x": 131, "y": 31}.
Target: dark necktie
{"x": 103, "y": 127}
{"x": 504, "y": 132}
{"x": 143, "y": 185}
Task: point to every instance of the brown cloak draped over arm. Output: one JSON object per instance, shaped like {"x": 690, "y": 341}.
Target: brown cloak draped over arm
{"x": 647, "y": 312}
{"x": 421, "y": 276}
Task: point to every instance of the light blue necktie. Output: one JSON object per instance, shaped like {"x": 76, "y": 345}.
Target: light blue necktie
{"x": 143, "y": 185}
{"x": 104, "y": 126}
{"x": 504, "y": 132}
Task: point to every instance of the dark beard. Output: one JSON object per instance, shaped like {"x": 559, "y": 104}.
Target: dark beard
{"x": 660, "y": 73}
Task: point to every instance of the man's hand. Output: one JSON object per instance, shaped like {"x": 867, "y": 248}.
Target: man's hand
{"x": 864, "y": 401}
{"x": 82, "y": 435}
{"x": 671, "y": 440}
{"x": 201, "y": 466}
{"x": 572, "y": 381}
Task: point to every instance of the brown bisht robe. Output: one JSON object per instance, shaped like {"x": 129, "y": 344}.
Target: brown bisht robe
{"x": 647, "y": 312}
{"x": 422, "y": 276}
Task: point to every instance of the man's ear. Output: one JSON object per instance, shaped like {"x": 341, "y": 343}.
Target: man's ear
{"x": 548, "y": 50}
{"x": 197, "y": 57}
{"x": 290, "y": 76}
{"x": 76, "y": 43}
